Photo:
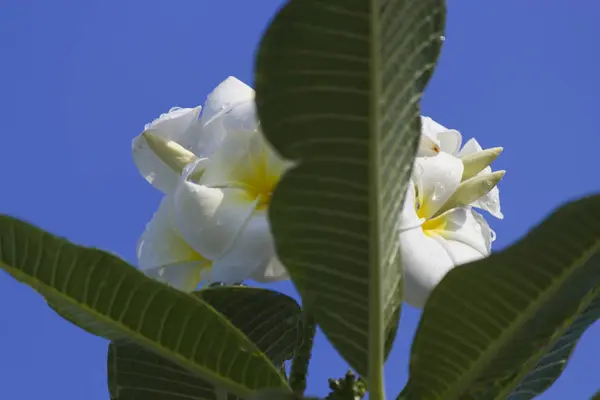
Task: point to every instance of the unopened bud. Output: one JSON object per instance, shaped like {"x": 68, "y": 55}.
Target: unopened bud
{"x": 472, "y": 189}
{"x": 171, "y": 153}
{"x": 477, "y": 162}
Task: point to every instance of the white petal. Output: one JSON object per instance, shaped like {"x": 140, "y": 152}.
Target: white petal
{"x": 424, "y": 264}
{"x": 429, "y": 146}
{"x": 462, "y": 253}
{"x": 273, "y": 271}
{"x": 244, "y": 160}
{"x": 228, "y": 109}
{"x": 179, "y": 125}
{"x": 409, "y": 218}
{"x": 450, "y": 141}
{"x": 164, "y": 255}
{"x": 490, "y": 203}
{"x": 250, "y": 256}
{"x": 437, "y": 179}
{"x": 228, "y": 93}
{"x": 210, "y": 219}
{"x": 465, "y": 226}
{"x": 472, "y": 146}
{"x": 430, "y": 127}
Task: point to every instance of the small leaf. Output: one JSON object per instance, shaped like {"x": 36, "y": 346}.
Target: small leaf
{"x": 503, "y": 327}
{"x": 106, "y": 296}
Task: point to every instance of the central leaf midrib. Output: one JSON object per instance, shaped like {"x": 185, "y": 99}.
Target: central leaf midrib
{"x": 376, "y": 318}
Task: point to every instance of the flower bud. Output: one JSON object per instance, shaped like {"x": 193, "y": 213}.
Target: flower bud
{"x": 169, "y": 152}
{"x": 471, "y": 190}
{"x": 476, "y": 162}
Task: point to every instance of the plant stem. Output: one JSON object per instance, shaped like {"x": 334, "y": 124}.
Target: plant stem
{"x": 299, "y": 369}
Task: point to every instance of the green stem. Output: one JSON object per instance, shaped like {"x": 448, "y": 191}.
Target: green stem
{"x": 299, "y": 369}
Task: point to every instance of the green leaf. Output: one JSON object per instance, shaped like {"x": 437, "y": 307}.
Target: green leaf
{"x": 337, "y": 88}
{"x": 551, "y": 365}
{"x": 105, "y": 295}
{"x": 270, "y": 319}
{"x": 503, "y": 327}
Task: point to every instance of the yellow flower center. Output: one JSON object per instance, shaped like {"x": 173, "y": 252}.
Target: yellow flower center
{"x": 430, "y": 226}
{"x": 259, "y": 181}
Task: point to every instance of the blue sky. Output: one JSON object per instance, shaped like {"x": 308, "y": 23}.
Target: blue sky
{"x": 79, "y": 79}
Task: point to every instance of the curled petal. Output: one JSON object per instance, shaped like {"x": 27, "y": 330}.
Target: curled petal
{"x": 471, "y": 147}
{"x": 251, "y": 256}
{"x": 465, "y": 226}
{"x": 450, "y": 141}
{"x": 437, "y": 179}
{"x": 164, "y": 255}
{"x": 272, "y": 271}
{"x": 227, "y": 94}
{"x": 229, "y": 109}
{"x": 210, "y": 219}
{"x": 179, "y": 125}
{"x": 490, "y": 203}
{"x": 430, "y": 127}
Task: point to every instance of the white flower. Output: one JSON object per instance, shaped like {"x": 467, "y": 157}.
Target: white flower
{"x": 194, "y": 132}
{"x": 431, "y": 242}
{"x": 449, "y": 141}
{"x": 212, "y": 224}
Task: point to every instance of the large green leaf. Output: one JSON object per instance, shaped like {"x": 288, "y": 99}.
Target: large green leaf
{"x": 270, "y": 319}
{"x": 337, "y": 88}
{"x": 105, "y": 295}
{"x": 503, "y": 327}
{"x": 553, "y": 362}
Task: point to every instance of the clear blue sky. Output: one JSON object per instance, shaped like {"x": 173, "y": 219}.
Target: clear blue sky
{"x": 79, "y": 79}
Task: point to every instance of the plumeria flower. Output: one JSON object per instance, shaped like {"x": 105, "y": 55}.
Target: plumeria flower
{"x": 439, "y": 230}
{"x": 218, "y": 173}
{"x": 476, "y": 160}
{"x": 183, "y": 135}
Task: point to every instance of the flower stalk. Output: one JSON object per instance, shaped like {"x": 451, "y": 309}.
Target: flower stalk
{"x": 299, "y": 368}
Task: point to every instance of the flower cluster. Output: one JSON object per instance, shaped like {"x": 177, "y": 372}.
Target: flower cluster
{"x": 217, "y": 174}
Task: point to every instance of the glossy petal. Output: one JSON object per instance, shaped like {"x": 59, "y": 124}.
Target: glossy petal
{"x": 490, "y": 203}
{"x": 465, "y": 226}
{"x": 450, "y": 141}
{"x": 472, "y": 146}
{"x": 163, "y": 254}
{"x": 210, "y": 219}
{"x": 430, "y": 127}
{"x": 250, "y": 256}
{"x": 228, "y": 109}
{"x": 179, "y": 125}
{"x": 436, "y": 179}
{"x": 245, "y": 160}
{"x": 425, "y": 262}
